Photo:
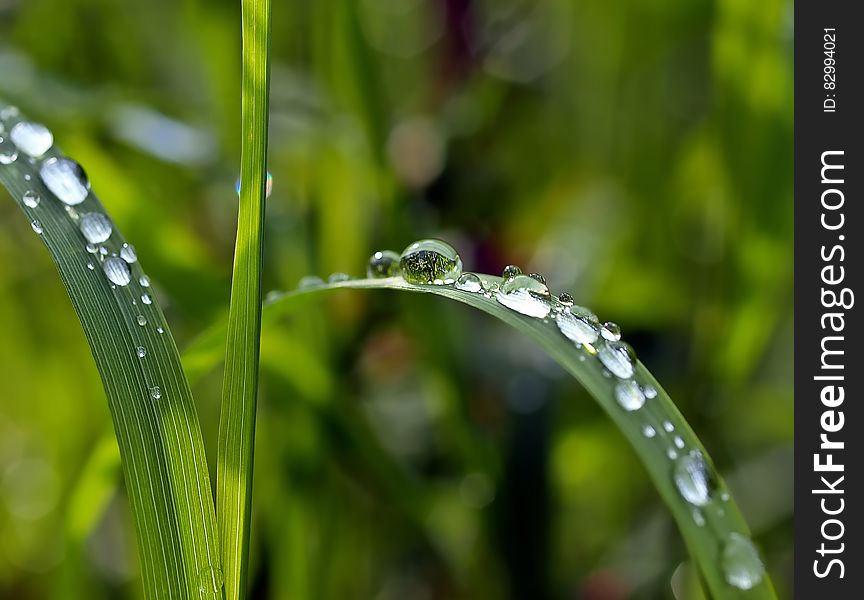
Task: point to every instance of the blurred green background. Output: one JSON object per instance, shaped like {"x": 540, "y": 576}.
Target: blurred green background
{"x": 636, "y": 153}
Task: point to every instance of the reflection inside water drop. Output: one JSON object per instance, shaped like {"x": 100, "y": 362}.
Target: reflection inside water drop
{"x": 430, "y": 261}
{"x": 384, "y": 263}
{"x": 31, "y": 199}
{"x": 629, "y": 396}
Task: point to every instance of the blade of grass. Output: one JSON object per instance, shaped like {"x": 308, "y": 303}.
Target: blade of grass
{"x": 151, "y": 406}
{"x": 722, "y": 518}
{"x": 240, "y": 387}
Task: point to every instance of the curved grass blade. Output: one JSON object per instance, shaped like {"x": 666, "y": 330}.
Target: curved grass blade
{"x": 709, "y": 529}
{"x": 154, "y": 417}
{"x": 240, "y": 385}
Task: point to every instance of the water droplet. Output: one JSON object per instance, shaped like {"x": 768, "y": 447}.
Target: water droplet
{"x": 649, "y": 391}
{"x": 610, "y": 331}
{"x": 309, "y": 282}
{"x": 510, "y": 271}
{"x": 31, "y": 199}
{"x": 155, "y": 392}
{"x": 671, "y": 453}
{"x": 469, "y": 282}
{"x": 33, "y": 139}
{"x": 66, "y": 179}
{"x": 27, "y": 177}
{"x": 95, "y": 227}
{"x": 384, "y": 263}
{"x": 8, "y": 112}
{"x": 37, "y": 226}
{"x": 525, "y": 295}
{"x": 742, "y": 566}
{"x": 141, "y": 320}
{"x": 103, "y": 250}
{"x": 8, "y": 151}
{"x": 144, "y": 281}
{"x": 648, "y": 431}
{"x": 160, "y": 330}
{"x": 91, "y": 248}
{"x": 73, "y": 214}
{"x": 117, "y": 271}
{"x": 141, "y": 352}
{"x": 693, "y": 479}
{"x": 629, "y": 396}
{"x": 576, "y": 328}
{"x": 145, "y": 298}
{"x": 90, "y": 266}
{"x": 210, "y": 581}
{"x": 618, "y": 357}
{"x": 127, "y": 253}
{"x": 430, "y": 262}
{"x": 565, "y": 299}
{"x": 724, "y": 496}
{"x": 698, "y": 517}
{"x": 538, "y": 277}
{"x": 679, "y": 442}
{"x": 268, "y": 188}
{"x": 337, "y": 277}
{"x": 668, "y": 426}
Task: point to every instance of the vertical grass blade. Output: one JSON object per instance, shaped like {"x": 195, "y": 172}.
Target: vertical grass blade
{"x": 152, "y": 409}
{"x": 239, "y": 392}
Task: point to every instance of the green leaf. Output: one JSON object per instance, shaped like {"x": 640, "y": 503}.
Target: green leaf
{"x": 240, "y": 387}
{"x": 722, "y": 518}
{"x": 152, "y": 409}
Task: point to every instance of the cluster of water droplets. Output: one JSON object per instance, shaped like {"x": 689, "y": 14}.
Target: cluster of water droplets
{"x": 68, "y": 183}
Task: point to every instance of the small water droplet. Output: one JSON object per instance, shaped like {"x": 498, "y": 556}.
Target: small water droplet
{"x": 127, "y": 253}
{"x": 629, "y": 396}
{"x": 618, "y": 357}
{"x": 103, "y": 251}
{"x": 141, "y": 320}
{"x": 565, "y": 299}
{"x": 33, "y": 139}
{"x": 649, "y": 391}
{"x": 155, "y": 392}
{"x": 671, "y": 453}
{"x": 8, "y": 112}
{"x": 66, "y": 179}
{"x": 525, "y": 295}
{"x": 679, "y": 442}
{"x": 698, "y": 517}
{"x": 432, "y": 262}
{"x": 268, "y": 187}
{"x": 210, "y": 581}
{"x": 91, "y": 248}
{"x": 31, "y": 199}
{"x": 8, "y": 151}
{"x": 309, "y": 282}
{"x": 37, "y": 226}
{"x": 95, "y": 227}
{"x": 742, "y": 566}
{"x": 668, "y": 426}
{"x": 469, "y": 282}
{"x": 384, "y": 263}
{"x": 146, "y": 299}
{"x": 141, "y": 352}
{"x": 538, "y": 277}
{"x": 160, "y": 330}
{"x": 576, "y": 328}
{"x": 510, "y": 271}
{"x": 724, "y": 496}
{"x": 337, "y": 277}
{"x": 27, "y": 177}
{"x": 610, "y": 331}
{"x": 144, "y": 281}
{"x": 648, "y": 431}
{"x": 117, "y": 271}
{"x": 693, "y": 479}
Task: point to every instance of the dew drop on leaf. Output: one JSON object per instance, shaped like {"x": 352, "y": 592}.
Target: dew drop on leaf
{"x": 155, "y": 392}
{"x": 648, "y": 431}
{"x": 37, "y": 226}
{"x": 338, "y": 277}
{"x": 679, "y": 442}
{"x": 33, "y": 139}
{"x": 432, "y": 262}
{"x": 566, "y": 299}
{"x": 145, "y": 298}
{"x": 142, "y": 321}
{"x": 117, "y": 271}
{"x": 66, "y": 179}
{"x": 510, "y": 271}
{"x": 31, "y": 199}
{"x": 144, "y": 281}
{"x": 525, "y": 295}
{"x": 610, "y": 331}
{"x": 668, "y": 426}
{"x": 469, "y": 282}
{"x": 618, "y": 357}
{"x": 210, "y": 582}
{"x": 8, "y": 151}
{"x": 127, "y": 253}
{"x": 576, "y": 328}
{"x": 649, "y": 391}
{"x": 384, "y": 263}
{"x": 141, "y": 352}
{"x": 538, "y": 277}
{"x": 693, "y": 478}
{"x": 740, "y": 561}
{"x": 629, "y": 396}
{"x": 309, "y": 282}
{"x": 95, "y": 227}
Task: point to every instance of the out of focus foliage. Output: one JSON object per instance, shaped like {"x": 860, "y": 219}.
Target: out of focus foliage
{"x": 638, "y": 154}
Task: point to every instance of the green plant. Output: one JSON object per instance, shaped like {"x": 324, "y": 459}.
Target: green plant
{"x": 155, "y": 421}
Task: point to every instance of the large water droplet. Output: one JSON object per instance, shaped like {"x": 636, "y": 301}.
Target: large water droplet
{"x": 510, "y": 271}
{"x": 618, "y": 357}
{"x": 95, "y": 227}
{"x": 384, "y": 263}
{"x": 66, "y": 179}
{"x": 525, "y": 295}
{"x": 31, "y": 199}
{"x": 469, "y": 282}
{"x": 33, "y": 139}
{"x": 309, "y": 282}
{"x": 693, "y": 479}
{"x": 576, "y": 328}
{"x": 8, "y": 151}
{"x": 740, "y": 561}
{"x": 37, "y": 226}
{"x": 430, "y": 262}
{"x": 629, "y": 395}
{"x": 127, "y": 253}
{"x": 610, "y": 331}
{"x": 117, "y": 271}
